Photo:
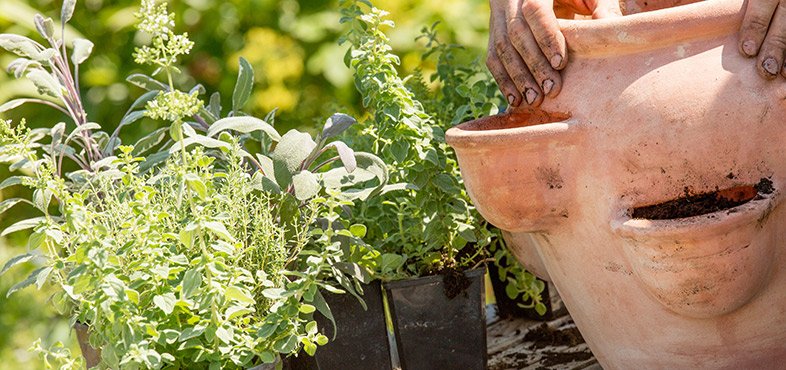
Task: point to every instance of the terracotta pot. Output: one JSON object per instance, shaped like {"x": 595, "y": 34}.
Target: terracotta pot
{"x": 654, "y": 105}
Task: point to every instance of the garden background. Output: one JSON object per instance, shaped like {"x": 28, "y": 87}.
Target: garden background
{"x": 293, "y": 46}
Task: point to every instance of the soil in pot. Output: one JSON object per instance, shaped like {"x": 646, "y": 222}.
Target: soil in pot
{"x": 691, "y": 205}
{"x": 434, "y": 331}
{"x": 362, "y": 339}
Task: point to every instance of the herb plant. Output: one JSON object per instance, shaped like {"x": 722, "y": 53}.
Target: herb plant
{"x": 187, "y": 249}
{"x": 430, "y": 225}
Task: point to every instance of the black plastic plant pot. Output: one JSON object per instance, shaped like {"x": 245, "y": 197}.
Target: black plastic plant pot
{"x": 434, "y": 331}
{"x": 512, "y": 308}
{"x": 361, "y": 342}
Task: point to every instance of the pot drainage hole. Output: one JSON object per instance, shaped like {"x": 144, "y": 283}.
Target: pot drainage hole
{"x": 704, "y": 203}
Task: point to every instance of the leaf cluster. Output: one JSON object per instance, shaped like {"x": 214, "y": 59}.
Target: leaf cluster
{"x": 425, "y": 227}
{"x": 207, "y": 243}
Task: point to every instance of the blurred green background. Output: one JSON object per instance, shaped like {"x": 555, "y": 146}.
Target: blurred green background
{"x": 299, "y": 70}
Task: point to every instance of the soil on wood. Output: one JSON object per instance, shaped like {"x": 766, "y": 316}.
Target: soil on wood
{"x": 701, "y": 204}
{"x": 559, "y": 358}
{"x": 544, "y": 336}
{"x": 550, "y": 348}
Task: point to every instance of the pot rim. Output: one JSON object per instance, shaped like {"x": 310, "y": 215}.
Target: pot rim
{"x": 706, "y": 225}
{"x": 423, "y": 280}
{"x": 652, "y": 30}
{"x": 471, "y": 135}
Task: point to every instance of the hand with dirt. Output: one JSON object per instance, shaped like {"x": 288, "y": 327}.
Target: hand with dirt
{"x": 763, "y": 33}
{"x": 526, "y": 48}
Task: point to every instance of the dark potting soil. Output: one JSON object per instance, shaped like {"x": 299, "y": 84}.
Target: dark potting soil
{"x": 701, "y": 204}
{"x": 454, "y": 282}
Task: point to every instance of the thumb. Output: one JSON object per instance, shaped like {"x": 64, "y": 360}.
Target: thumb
{"x": 604, "y": 8}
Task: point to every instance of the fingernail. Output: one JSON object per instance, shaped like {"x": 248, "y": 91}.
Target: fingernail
{"x": 511, "y": 99}
{"x": 770, "y": 65}
{"x": 547, "y": 86}
{"x": 556, "y": 61}
{"x": 531, "y": 95}
{"x": 749, "y": 47}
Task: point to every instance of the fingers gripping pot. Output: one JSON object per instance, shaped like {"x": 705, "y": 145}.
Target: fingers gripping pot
{"x": 654, "y": 106}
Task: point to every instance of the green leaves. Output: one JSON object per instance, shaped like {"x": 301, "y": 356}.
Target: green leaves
{"x": 22, "y": 258}
{"x": 293, "y": 148}
{"x": 243, "y": 125}
{"x": 243, "y": 87}
{"x": 8, "y": 203}
{"x": 165, "y": 302}
{"x": 32, "y": 278}
{"x": 82, "y": 50}
{"x": 336, "y": 124}
{"x": 237, "y": 294}
{"x": 306, "y": 185}
{"x": 23, "y": 225}
{"x": 192, "y": 281}
{"x": 67, "y": 11}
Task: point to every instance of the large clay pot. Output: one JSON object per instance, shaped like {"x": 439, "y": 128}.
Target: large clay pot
{"x": 653, "y": 105}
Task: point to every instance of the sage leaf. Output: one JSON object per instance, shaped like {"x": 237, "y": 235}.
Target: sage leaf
{"x": 306, "y": 185}
{"x": 67, "y": 11}
{"x": 45, "y": 83}
{"x": 83, "y": 128}
{"x": 243, "y": 125}
{"x": 201, "y": 140}
{"x": 19, "y": 45}
{"x": 82, "y": 50}
{"x": 293, "y": 148}
{"x": 346, "y": 154}
{"x": 243, "y": 87}
{"x": 214, "y": 106}
{"x": 336, "y": 124}
{"x": 44, "y": 26}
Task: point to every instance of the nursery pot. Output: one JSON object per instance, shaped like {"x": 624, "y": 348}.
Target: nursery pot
{"x": 657, "y": 110}
{"x": 434, "y": 331}
{"x": 361, "y": 337}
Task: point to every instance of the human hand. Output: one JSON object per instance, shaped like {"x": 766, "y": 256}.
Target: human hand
{"x": 763, "y": 33}
{"x": 526, "y": 48}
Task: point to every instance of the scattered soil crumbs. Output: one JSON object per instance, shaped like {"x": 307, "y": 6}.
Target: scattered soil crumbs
{"x": 700, "y": 204}
{"x": 543, "y": 336}
{"x": 544, "y": 348}
{"x": 558, "y": 358}
{"x": 454, "y": 282}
